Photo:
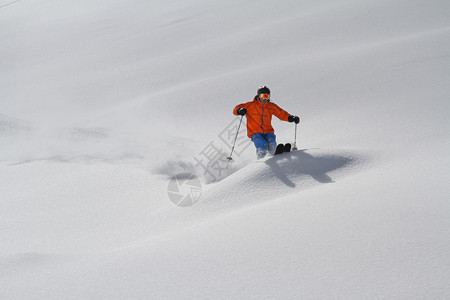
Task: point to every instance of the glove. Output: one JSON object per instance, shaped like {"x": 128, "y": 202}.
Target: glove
{"x": 241, "y": 111}
{"x": 295, "y": 119}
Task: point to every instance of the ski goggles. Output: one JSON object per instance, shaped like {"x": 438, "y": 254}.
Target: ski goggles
{"x": 264, "y": 97}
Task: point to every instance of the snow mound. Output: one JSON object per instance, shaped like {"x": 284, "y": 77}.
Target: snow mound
{"x": 262, "y": 182}
{"x": 283, "y": 175}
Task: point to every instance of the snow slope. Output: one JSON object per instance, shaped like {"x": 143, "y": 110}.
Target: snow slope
{"x": 103, "y": 103}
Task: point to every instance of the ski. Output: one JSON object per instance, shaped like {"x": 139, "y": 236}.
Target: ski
{"x": 287, "y": 147}
{"x": 279, "y": 150}
{"x": 282, "y": 148}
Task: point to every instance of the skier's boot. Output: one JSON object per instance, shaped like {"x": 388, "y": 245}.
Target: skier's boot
{"x": 287, "y": 147}
{"x": 280, "y": 149}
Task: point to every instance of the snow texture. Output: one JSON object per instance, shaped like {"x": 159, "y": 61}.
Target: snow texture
{"x": 107, "y": 108}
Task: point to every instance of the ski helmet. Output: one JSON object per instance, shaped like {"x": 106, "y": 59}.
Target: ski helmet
{"x": 263, "y": 90}
{"x": 263, "y": 94}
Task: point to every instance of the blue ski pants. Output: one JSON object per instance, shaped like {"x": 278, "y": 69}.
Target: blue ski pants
{"x": 263, "y": 143}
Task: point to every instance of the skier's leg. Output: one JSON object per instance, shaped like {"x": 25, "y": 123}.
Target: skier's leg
{"x": 271, "y": 142}
{"x": 260, "y": 145}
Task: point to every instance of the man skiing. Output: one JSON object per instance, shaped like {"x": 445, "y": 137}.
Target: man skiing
{"x": 259, "y": 114}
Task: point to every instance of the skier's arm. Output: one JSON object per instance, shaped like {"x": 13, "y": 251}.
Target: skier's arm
{"x": 280, "y": 113}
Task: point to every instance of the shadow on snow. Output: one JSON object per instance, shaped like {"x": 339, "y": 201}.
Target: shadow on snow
{"x": 301, "y": 163}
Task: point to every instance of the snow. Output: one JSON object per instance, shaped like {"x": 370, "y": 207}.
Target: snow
{"x": 104, "y": 102}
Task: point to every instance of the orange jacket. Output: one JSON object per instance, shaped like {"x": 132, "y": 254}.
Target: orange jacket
{"x": 259, "y": 116}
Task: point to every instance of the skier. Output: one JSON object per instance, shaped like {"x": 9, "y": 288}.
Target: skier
{"x": 259, "y": 114}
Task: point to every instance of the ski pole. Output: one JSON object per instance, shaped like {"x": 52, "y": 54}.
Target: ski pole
{"x": 237, "y": 132}
{"x": 295, "y": 138}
